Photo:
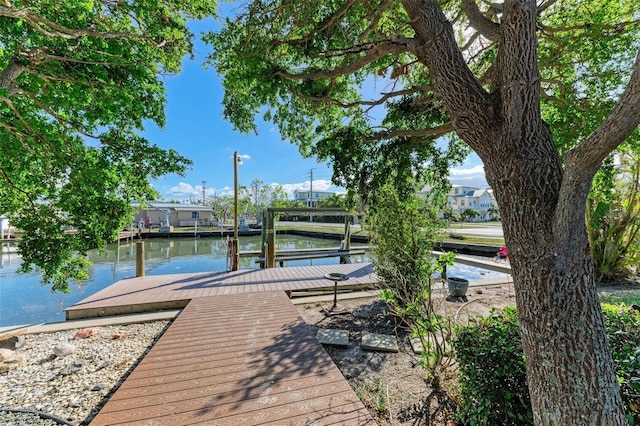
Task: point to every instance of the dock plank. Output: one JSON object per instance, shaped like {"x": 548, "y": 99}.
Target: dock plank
{"x": 152, "y": 293}
{"x": 273, "y": 370}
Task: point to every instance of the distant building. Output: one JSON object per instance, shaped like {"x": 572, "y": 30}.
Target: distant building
{"x": 462, "y": 197}
{"x": 310, "y": 199}
{"x": 178, "y": 214}
{"x": 5, "y": 227}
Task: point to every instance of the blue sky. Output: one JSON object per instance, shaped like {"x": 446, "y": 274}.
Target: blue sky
{"x": 196, "y": 128}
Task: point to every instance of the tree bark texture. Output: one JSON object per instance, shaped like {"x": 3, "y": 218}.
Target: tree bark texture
{"x": 569, "y": 366}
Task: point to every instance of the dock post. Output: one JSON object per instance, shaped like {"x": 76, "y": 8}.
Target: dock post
{"x": 140, "y": 259}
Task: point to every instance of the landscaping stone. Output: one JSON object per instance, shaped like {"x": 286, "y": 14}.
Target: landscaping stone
{"x": 6, "y": 355}
{"x": 378, "y": 342}
{"x": 86, "y": 332}
{"x": 328, "y": 336}
{"x": 416, "y": 345}
{"x": 13, "y": 342}
{"x": 63, "y": 349}
{"x": 74, "y": 367}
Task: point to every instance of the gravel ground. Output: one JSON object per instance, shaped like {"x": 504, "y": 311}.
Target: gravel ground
{"x": 71, "y": 387}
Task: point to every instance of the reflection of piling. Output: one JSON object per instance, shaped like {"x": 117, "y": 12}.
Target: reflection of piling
{"x": 140, "y": 259}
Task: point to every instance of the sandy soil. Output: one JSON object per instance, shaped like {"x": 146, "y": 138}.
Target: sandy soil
{"x": 393, "y": 385}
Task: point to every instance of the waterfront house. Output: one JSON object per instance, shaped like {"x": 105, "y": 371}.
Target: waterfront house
{"x": 310, "y": 198}
{"x": 179, "y": 215}
{"x": 462, "y": 197}
{"x": 5, "y": 228}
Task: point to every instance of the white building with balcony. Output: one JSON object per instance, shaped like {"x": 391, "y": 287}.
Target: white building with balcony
{"x": 463, "y": 197}
{"x": 309, "y": 198}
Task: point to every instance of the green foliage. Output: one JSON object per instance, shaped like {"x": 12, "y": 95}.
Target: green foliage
{"x": 613, "y": 216}
{"x": 338, "y": 81}
{"x": 77, "y": 81}
{"x": 493, "y": 379}
{"x": 623, "y": 332}
{"x": 267, "y": 50}
{"x": 493, "y": 382}
{"x": 262, "y": 196}
{"x": 581, "y": 63}
{"x": 470, "y": 213}
{"x": 372, "y": 395}
{"x": 494, "y": 211}
{"x": 403, "y": 233}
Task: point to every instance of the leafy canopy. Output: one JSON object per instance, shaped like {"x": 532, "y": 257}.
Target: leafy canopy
{"x": 78, "y": 79}
{"x": 341, "y": 79}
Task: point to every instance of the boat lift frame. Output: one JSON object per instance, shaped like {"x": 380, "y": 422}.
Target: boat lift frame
{"x": 269, "y": 256}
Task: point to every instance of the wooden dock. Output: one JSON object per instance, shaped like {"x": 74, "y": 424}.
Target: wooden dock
{"x": 236, "y": 359}
{"x": 237, "y": 354}
{"x": 156, "y": 292}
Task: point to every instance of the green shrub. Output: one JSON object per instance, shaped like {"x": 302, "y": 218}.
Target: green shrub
{"x": 493, "y": 383}
{"x": 623, "y": 331}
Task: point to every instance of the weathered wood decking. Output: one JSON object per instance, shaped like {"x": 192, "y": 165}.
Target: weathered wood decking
{"x": 236, "y": 359}
{"x": 150, "y": 293}
{"x": 237, "y": 354}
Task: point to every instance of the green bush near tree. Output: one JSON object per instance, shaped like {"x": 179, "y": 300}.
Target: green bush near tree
{"x": 493, "y": 375}
{"x": 493, "y": 382}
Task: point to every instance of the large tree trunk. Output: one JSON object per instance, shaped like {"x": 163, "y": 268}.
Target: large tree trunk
{"x": 542, "y": 203}
{"x": 569, "y": 367}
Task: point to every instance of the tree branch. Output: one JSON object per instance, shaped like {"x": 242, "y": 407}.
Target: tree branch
{"x": 62, "y": 121}
{"x": 15, "y": 132}
{"x": 375, "y": 18}
{"x": 624, "y": 119}
{"x": 618, "y": 27}
{"x": 376, "y": 52}
{"x": 55, "y": 30}
{"x": 434, "y": 132}
{"x": 544, "y": 6}
{"x": 481, "y": 23}
{"x": 473, "y": 113}
{"x": 384, "y": 98}
{"x": 322, "y": 27}
{"x": 10, "y": 73}
{"x": 17, "y": 188}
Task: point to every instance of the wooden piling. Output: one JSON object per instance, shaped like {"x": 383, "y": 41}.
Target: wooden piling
{"x": 140, "y": 259}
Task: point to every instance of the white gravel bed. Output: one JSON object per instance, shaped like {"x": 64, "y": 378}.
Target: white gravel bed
{"x": 75, "y": 386}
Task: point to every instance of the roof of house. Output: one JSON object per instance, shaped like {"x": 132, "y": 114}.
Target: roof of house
{"x": 175, "y": 207}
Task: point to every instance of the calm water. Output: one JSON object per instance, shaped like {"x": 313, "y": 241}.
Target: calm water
{"x": 23, "y": 300}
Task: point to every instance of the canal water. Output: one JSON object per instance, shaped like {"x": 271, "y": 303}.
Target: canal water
{"x": 23, "y": 300}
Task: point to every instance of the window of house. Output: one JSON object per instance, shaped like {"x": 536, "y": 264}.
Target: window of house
{"x": 462, "y": 202}
{"x": 195, "y": 215}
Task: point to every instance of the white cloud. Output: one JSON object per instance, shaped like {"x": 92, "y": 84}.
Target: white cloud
{"x": 476, "y": 170}
{"x": 244, "y": 157}
{"x": 473, "y": 176}
{"x": 224, "y": 192}
{"x": 183, "y": 189}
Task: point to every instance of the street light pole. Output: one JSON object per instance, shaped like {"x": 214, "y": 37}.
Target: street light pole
{"x": 236, "y": 255}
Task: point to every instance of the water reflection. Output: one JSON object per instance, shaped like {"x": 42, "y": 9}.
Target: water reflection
{"x": 24, "y": 300}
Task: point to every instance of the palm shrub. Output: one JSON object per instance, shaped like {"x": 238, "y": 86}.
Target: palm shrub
{"x": 613, "y": 216}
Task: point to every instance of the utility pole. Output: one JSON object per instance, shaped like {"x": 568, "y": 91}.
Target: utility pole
{"x": 203, "y": 191}
{"x": 311, "y": 193}
{"x": 235, "y": 261}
